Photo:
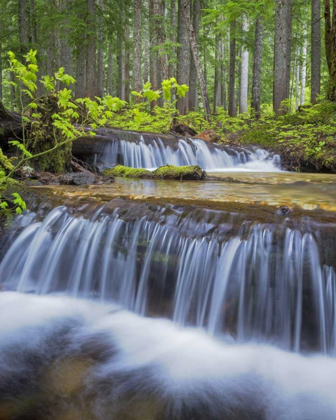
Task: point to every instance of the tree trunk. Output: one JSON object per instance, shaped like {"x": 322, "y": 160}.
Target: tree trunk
{"x": 154, "y": 56}
{"x": 146, "y": 43}
{"x": 193, "y": 71}
{"x": 100, "y": 55}
{"x": 110, "y": 70}
{"x": 162, "y": 39}
{"x": 244, "y": 72}
{"x": 171, "y": 69}
{"x": 217, "y": 79}
{"x": 32, "y": 22}
{"x": 23, "y": 26}
{"x": 127, "y": 60}
{"x": 183, "y": 57}
{"x": 298, "y": 73}
{"x": 81, "y": 59}
{"x": 196, "y": 57}
{"x": 223, "y": 79}
{"x": 327, "y": 35}
{"x": 137, "y": 44}
{"x": 257, "y": 66}
{"x": 232, "y": 73}
{"x": 332, "y": 81}
{"x": 91, "y": 88}
{"x": 303, "y": 71}
{"x": 66, "y": 55}
{"x": 315, "y": 50}
{"x": 282, "y": 51}
{"x": 121, "y": 90}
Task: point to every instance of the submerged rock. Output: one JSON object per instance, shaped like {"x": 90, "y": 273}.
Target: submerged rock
{"x": 193, "y": 173}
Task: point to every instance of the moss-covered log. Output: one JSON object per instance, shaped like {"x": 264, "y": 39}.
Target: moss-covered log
{"x": 194, "y": 173}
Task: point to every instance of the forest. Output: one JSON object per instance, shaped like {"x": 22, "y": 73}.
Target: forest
{"x": 234, "y": 72}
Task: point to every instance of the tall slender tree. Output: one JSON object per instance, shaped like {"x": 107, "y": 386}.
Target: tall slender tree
{"x": 91, "y": 89}
{"x": 183, "y": 57}
{"x": 193, "y": 71}
{"x": 232, "y": 72}
{"x": 244, "y": 70}
{"x": 257, "y": 66}
{"x": 196, "y": 57}
{"x": 137, "y": 45}
{"x": 315, "y": 49}
{"x": 282, "y": 54}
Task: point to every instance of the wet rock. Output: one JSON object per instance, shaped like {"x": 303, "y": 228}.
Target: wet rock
{"x": 283, "y": 211}
{"x": 47, "y": 178}
{"x": 33, "y": 183}
{"x": 208, "y": 135}
{"x": 183, "y": 130}
{"x": 78, "y": 178}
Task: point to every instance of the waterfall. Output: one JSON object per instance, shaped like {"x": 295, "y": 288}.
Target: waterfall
{"x": 263, "y": 283}
{"x": 139, "y": 151}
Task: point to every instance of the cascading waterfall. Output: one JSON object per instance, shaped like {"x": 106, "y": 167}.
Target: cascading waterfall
{"x": 153, "y": 152}
{"x": 262, "y": 284}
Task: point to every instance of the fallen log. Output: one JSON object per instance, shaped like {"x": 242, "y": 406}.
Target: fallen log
{"x": 10, "y": 126}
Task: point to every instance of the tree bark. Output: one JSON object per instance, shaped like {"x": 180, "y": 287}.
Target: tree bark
{"x": 23, "y": 26}
{"x": 91, "y": 88}
{"x": 282, "y": 52}
{"x": 66, "y": 53}
{"x": 232, "y": 72}
{"x": 244, "y": 72}
{"x": 193, "y": 71}
{"x": 298, "y": 74}
{"x": 303, "y": 71}
{"x": 154, "y": 55}
{"x": 332, "y": 80}
{"x": 100, "y": 55}
{"x": 121, "y": 90}
{"x": 146, "y": 43}
{"x": 127, "y": 59}
{"x": 257, "y": 66}
{"x": 32, "y": 22}
{"x": 327, "y": 34}
{"x": 81, "y": 58}
{"x": 137, "y": 44}
{"x": 217, "y": 79}
{"x": 195, "y": 53}
{"x": 183, "y": 57}
{"x": 315, "y": 50}
{"x": 171, "y": 69}
{"x": 110, "y": 70}
{"x": 223, "y": 79}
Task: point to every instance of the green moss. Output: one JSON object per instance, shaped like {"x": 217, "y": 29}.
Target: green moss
{"x": 179, "y": 172}
{"x": 5, "y": 163}
{"x": 164, "y": 172}
{"x": 126, "y": 172}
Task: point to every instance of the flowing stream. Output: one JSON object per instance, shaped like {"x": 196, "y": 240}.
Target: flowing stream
{"x": 177, "y": 300}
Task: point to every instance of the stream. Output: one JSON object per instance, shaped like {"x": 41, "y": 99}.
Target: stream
{"x": 163, "y": 300}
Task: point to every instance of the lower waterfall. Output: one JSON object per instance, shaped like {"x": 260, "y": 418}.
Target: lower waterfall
{"x": 259, "y": 284}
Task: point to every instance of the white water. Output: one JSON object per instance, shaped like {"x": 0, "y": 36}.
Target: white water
{"x": 183, "y": 372}
{"x": 258, "y": 287}
{"x": 210, "y": 157}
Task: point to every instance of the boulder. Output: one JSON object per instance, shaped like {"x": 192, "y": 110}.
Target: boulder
{"x": 78, "y": 178}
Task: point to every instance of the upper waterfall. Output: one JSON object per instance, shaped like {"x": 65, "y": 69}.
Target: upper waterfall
{"x": 150, "y": 151}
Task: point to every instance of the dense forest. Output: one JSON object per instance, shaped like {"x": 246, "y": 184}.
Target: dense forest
{"x": 231, "y": 54}
{"x": 257, "y": 72}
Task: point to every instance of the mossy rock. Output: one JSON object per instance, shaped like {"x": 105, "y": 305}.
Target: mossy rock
{"x": 194, "y": 173}
{"x": 5, "y": 163}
